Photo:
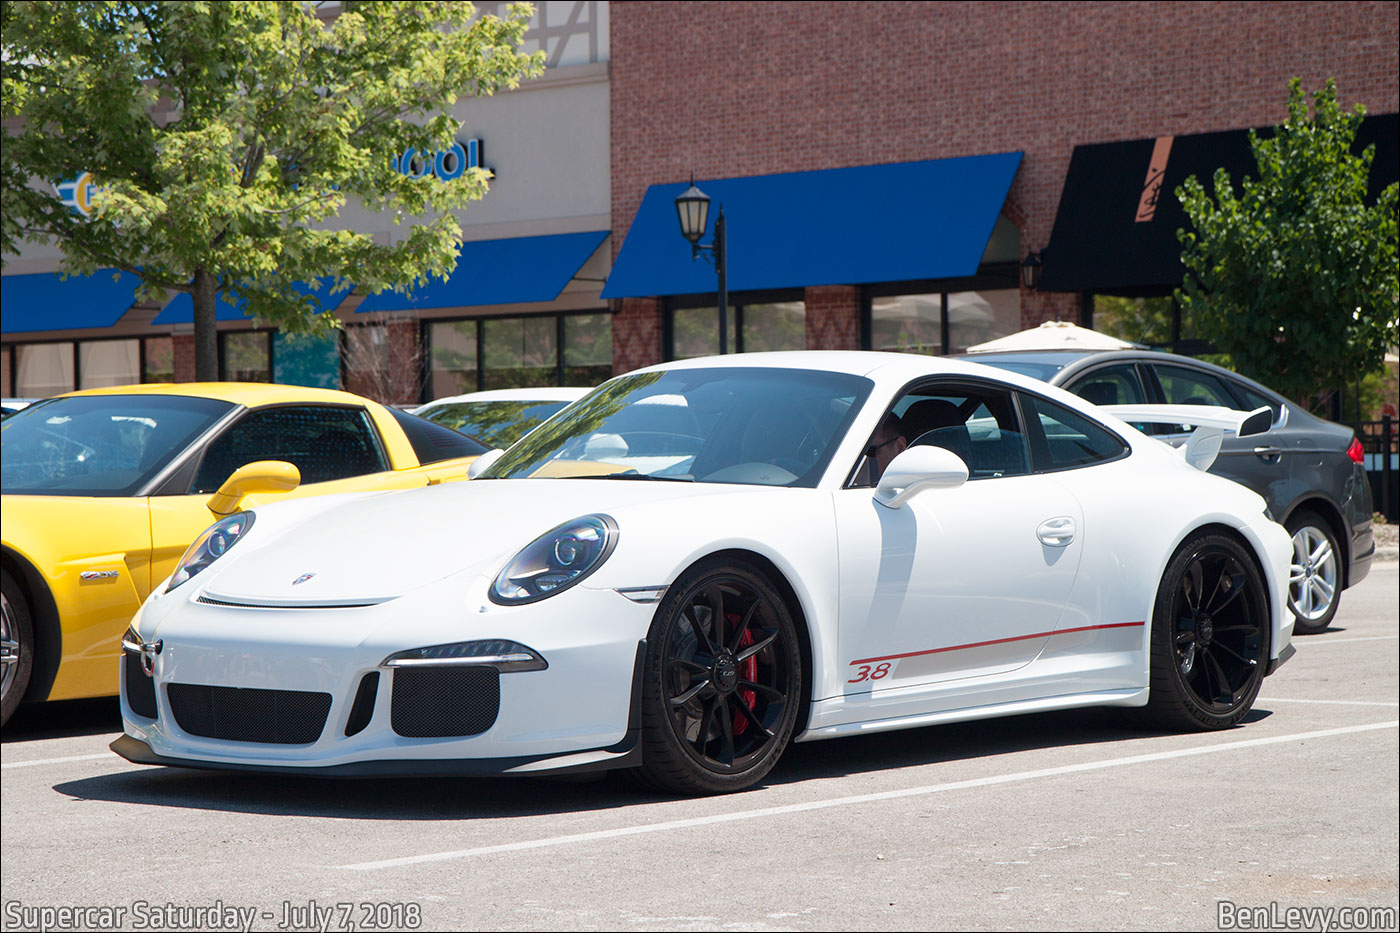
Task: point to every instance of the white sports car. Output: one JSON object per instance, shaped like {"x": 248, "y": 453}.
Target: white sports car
{"x": 705, "y": 560}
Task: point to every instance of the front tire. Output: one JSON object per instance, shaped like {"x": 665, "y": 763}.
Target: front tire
{"x": 722, "y": 684}
{"x": 16, "y": 647}
{"x": 1314, "y": 581}
{"x": 1210, "y": 637}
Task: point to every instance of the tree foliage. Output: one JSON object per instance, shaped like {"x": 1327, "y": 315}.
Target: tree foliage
{"x": 224, "y": 137}
{"x": 1295, "y": 276}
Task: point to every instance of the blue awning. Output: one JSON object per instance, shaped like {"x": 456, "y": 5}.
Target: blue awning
{"x": 845, "y": 226}
{"x": 45, "y": 301}
{"x": 181, "y": 308}
{"x": 499, "y": 272}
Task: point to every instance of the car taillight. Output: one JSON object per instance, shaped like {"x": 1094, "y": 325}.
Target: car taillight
{"x": 1356, "y": 452}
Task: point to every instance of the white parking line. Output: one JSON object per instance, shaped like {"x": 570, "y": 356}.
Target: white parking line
{"x": 1328, "y": 702}
{"x": 54, "y": 761}
{"x": 862, "y": 798}
{"x": 1345, "y": 641}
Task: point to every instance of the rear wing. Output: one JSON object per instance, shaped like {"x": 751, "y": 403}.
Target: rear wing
{"x": 1211, "y": 423}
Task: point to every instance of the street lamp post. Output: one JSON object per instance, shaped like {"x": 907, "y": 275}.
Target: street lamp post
{"x": 693, "y": 209}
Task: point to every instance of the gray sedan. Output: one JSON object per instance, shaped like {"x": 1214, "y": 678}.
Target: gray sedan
{"x": 1308, "y": 470}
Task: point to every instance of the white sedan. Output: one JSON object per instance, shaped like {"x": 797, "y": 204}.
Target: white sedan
{"x": 703, "y": 561}
{"x": 499, "y": 417}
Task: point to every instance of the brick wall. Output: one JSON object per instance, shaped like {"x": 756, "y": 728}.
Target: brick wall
{"x": 636, "y": 334}
{"x": 833, "y": 317}
{"x": 182, "y": 346}
{"x": 747, "y": 88}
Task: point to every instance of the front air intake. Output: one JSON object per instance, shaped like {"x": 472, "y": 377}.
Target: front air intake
{"x": 249, "y": 714}
{"x": 442, "y": 702}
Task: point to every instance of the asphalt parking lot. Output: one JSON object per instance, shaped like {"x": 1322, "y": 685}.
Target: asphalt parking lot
{"x": 1071, "y": 819}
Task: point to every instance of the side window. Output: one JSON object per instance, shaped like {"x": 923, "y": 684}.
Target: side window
{"x": 979, "y": 424}
{"x": 1183, "y": 386}
{"x": 1111, "y": 385}
{"x": 324, "y": 443}
{"x": 1253, "y": 400}
{"x": 1062, "y": 439}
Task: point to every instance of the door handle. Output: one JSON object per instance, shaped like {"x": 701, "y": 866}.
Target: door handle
{"x": 1267, "y": 453}
{"x": 1056, "y": 532}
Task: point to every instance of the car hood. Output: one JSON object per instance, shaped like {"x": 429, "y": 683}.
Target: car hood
{"x": 373, "y": 549}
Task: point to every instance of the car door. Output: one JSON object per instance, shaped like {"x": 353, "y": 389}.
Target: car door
{"x": 336, "y": 448}
{"x": 956, "y": 583}
{"x": 1259, "y": 462}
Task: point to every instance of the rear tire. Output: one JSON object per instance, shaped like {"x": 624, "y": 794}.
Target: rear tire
{"x": 17, "y": 647}
{"x": 722, "y": 683}
{"x": 1210, "y": 637}
{"x": 1314, "y": 573}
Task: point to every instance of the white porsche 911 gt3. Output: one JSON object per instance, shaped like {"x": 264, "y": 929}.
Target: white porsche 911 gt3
{"x": 702, "y": 561}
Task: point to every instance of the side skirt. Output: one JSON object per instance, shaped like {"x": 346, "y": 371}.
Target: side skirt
{"x": 1130, "y": 697}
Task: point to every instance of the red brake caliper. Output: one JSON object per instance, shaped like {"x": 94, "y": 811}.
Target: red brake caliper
{"x": 748, "y": 670}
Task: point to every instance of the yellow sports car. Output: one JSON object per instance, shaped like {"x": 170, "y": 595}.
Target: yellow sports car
{"x": 103, "y": 489}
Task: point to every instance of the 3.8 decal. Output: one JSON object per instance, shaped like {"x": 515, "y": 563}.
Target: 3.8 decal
{"x": 870, "y": 672}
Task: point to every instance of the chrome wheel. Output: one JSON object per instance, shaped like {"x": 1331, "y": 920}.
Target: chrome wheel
{"x": 1312, "y": 575}
{"x": 16, "y": 647}
{"x": 9, "y": 647}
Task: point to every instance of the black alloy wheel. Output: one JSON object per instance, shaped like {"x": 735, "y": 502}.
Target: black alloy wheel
{"x": 722, "y": 683}
{"x": 1210, "y": 636}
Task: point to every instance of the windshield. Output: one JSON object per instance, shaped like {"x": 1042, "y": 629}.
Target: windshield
{"x": 99, "y": 445}
{"x": 496, "y": 424}
{"x": 775, "y": 427}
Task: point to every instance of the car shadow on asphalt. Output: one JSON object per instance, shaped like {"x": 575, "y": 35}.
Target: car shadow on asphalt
{"x": 102, "y": 716}
{"x": 432, "y": 799}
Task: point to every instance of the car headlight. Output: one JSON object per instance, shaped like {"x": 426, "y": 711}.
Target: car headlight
{"x": 556, "y": 560}
{"x": 210, "y": 546}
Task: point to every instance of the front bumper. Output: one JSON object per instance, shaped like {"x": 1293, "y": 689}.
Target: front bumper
{"x": 232, "y": 664}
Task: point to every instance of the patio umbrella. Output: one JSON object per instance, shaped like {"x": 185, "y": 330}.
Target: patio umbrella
{"x": 1055, "y": 335}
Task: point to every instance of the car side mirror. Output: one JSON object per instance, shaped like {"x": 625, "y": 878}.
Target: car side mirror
{"x": 258, "y": 476}
{"x": 480, "y": 464}
{"x": 917, "y": 469}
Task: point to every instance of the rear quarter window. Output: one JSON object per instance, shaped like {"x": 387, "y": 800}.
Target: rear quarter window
{"x": 432, "y": 442}
{"x": 1062, "y": 439}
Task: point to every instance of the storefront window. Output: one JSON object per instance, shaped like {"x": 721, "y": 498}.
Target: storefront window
{"x": 246, "y": 356}
{"x": 453, "y": 369}
{"x": 695, "y": 332}
{"x": 976, "y": 317}
{"x": 43, "y": 369}
{"x": 778, "y": 326}
{"x": 1138, "y": 320}
{"x": 159, "y": 364}
{"x": 304, "y": 360}
{"x": 108, "y": 363}
{"x": 907, "y": 323}
{"x": 520, "y": 352}
{"x": 587, "y": 349}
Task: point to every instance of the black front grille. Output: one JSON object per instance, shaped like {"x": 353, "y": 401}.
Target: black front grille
{"x": 437, "y": 702}
{"x": 249, "y": 714}
{"x": 140, "y": 689}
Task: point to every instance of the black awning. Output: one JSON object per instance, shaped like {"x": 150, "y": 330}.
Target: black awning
{"x": 1112, "y": 236}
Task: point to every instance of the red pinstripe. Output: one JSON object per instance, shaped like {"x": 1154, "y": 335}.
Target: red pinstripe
{"x": 996, "y": 641}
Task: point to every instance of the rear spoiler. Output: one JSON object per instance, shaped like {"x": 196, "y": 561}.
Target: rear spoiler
{"x": 1211, "y": 423}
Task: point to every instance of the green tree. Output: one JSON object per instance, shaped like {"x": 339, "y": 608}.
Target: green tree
{"x": 1295, "y": 276}
{"x": 221, "y": 136}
